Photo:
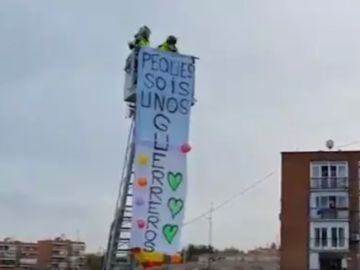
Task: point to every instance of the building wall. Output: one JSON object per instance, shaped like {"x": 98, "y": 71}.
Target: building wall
{"x": 354, "y": 178}
{"x": 46, "y": 254}
{"x": 7, "y": 254}
{"x": 295, "y": 189}
{"x": 44, "y": 248}
{"x": 294, "y": 212}
{"x": 54, "y": 253}
{"x": 60, "y": 254}
{"x": 27, "y": 255}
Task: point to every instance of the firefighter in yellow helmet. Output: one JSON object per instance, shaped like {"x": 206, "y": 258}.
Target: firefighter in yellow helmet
{"x": 141, "y": 38}
{"x": 169, "y": 45}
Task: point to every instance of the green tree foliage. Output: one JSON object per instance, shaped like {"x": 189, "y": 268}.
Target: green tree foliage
{"x": 193, "y": 251}
{"x": 94, "y": 261}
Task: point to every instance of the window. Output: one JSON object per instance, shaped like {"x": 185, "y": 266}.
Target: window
{"x": 341, "y": 237}
{"x": 315, "y": 171}
{"x": 333, "y": 171}
{"x": 334, "y": 236}
{"x": 342, "y": 175}
{"x": 317, "y": 202}
{"x": 317, "y": 237}
{"x": 332, "y": 202}
{"x": 342, "y": 202}
{"x": 324, "y": 171}
{"x": 324, "y": 202}
{"x": 321, "y": 202}
{"x": 342, "y": 171}
{"x": 324, "y": 237}
{"x": 329, "y": 237}
{"x": 315, "y": 175}
{"x": 331, "y": 174}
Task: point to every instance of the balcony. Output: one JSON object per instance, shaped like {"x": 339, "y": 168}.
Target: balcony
{"x": 329, "y": 183}
{"x": 7, "y": 263}
{"x": 28, "y": 261}
{"x": 78, "y": 246}
{"x": 29, "y": 254}
{"x": 329, "y": 245}
{"x": 59, "y": 265}
{"x": 59, "y": 254}
{"x": 8, "y": 255}
{"x": 60, "y": 246}
{"x": 328, "y": 214}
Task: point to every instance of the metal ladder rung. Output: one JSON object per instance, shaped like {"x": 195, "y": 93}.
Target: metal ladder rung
{"x": 124, "y": 239}
{"x": 123, "y": 250}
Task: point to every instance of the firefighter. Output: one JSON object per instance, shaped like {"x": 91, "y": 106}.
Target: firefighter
{"x": 169, "y": 45}
{"x": 141, "y": 38}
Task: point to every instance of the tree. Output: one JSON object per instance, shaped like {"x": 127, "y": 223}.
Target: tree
{"x": 231, "y": 250}
{"x": 193, "y": 251}
{"x": 273, "y": 246}
{"x": 94, "y": 261}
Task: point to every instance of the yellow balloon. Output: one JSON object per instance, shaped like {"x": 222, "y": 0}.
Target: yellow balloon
{"x": 143, "y": 160}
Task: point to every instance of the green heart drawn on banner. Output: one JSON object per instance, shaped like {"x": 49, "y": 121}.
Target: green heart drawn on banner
{"x": 175, "y": 206}
{"x": 169, "y": 232}
{"x": 174, "y": 180}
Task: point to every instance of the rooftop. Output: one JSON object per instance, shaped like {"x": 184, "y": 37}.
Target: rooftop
{"x": 322, "y": 152}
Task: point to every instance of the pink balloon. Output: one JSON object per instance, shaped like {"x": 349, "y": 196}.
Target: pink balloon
{"x": 185, "y": 148}
{"x": 140, "y": 223}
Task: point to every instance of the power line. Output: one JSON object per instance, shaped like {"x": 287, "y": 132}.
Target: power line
{"x": 227, "y": 201}
{"x": 349, "y": 144}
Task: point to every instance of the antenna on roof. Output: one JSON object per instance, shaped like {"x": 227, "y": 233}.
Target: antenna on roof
{"x": 78, "y": 235}
{"x": 330, "y": 144}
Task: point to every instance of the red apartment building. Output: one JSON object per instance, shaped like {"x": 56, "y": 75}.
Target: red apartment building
{"x": 61, "y": 254}
{"x": 320, "y": 227}
{"x": 54, "y": 254}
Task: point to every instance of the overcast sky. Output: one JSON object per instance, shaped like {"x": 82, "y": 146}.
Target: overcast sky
{"x": 273, "y": 75}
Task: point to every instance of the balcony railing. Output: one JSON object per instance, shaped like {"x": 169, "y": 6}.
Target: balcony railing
{"x": 59, "y": 254}
{"x": 28, "y": 261}
{"x": 329, "y": 214}
{"x": 6, "y": 263}
{"x": 7, "y": 254}
{"x": 329, "y": 183}
{"x": 330, "y": 244}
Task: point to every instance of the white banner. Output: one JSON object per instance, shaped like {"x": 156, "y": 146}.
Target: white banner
{"x": 164, "y": 96}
